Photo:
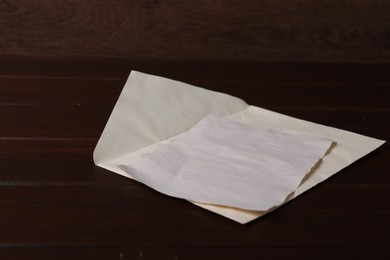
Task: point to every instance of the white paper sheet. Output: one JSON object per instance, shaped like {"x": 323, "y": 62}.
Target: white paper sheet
{"x": 152, "y": 110}
{"x": 223, "y": 162}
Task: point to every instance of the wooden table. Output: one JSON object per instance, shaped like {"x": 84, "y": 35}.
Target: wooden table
{"x": 56, "y": 204}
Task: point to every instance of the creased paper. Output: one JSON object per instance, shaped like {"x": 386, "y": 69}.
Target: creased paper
{"x": 223, "y": 162}
{"x": 151, "y": 111}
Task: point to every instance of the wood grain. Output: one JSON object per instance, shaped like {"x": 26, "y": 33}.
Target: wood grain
{"x": 55, "y": 204}
{"x": 229, "y": 30}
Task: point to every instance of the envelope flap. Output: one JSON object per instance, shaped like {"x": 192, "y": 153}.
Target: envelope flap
{"x": 151, "y": 109}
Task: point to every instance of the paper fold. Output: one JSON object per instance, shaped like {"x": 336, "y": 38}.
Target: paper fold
{"x": 151, "y": 109}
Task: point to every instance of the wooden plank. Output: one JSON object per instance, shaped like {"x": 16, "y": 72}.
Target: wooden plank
{"x": 72, "y": 216}
{"x": 57, "y": 121}
{"x": 52, "y": 163}
{"x": 101, "y": 91}
{"x": 241, "y": 71}
{"x": 30, "y": 91}
{"x": 325, "y": 86}
{"x": 314, "y": 31}
{"x": 191, "y": 253}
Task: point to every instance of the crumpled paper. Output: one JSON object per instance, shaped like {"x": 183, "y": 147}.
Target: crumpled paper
{"x": 220, "y": 161}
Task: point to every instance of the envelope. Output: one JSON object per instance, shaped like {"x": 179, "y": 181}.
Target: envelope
{"x": 151, "y": 111}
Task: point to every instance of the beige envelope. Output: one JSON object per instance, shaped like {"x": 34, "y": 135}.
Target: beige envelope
{"x": 152, "y": 110}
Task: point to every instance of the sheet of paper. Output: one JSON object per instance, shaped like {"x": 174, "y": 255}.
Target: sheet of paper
{"x": 152, "y": 110}
{"x": 223, "y": 162}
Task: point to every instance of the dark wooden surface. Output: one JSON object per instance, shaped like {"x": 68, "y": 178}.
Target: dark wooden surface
{"x": 55, "y": 204}
{"x": 64, "y": 63}
{"x": 265, "y": 30}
